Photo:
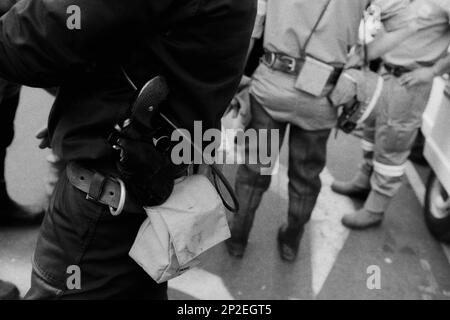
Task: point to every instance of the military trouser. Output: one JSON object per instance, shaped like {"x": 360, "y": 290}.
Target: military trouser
{"x": 389, "y": 136}
{"x": 82, "y": 252}
{"x": 307, "y": 157}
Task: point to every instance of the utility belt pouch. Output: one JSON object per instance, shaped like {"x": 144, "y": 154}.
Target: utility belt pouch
{"x": 345, "y": 90}
{"x": 313, "y": 77}
{"x": 177, "y": 234}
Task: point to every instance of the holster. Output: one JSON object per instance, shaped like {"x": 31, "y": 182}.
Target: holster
{"x": 143, "y": 143}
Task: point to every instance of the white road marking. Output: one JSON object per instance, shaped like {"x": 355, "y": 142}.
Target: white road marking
{"x": 202, "y": 285}
{"x": 328, "y": 235}
{"x": 432, "y": 288}
{"x": 420, "y": 190}
{"x": 416, "y": 182}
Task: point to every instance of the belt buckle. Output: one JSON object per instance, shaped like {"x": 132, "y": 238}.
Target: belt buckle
{"x": 291, "y": 63}
{"x": 271, "y": 59}
{"x": 123, "y": 197}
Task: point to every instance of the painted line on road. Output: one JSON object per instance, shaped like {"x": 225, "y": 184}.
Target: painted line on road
{"x": 328, "y": 237}
{"x": 416, "y": 182}
{"x": 202, "y": 285}
{"x": 420, "y": 190}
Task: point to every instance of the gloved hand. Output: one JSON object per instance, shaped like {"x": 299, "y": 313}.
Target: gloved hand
{"x": 43, "y": 135}
{"x": 146, "y": 171}
{"x": 144, "y": 163}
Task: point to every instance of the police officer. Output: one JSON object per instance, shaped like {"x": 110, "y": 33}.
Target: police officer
{"x": 303, "y": 40}
{"x": 198, "y": 46}
{"x": 10, "y": 211}
{"x": 409, "y": 70}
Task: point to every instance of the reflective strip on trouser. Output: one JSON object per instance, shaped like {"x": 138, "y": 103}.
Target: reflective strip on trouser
{"x": 389, "y": 171}
{"x": 367, "y": 146}
{"x": 394, "y": 130}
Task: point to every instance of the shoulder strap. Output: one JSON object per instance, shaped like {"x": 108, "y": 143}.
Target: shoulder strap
{"x": 316, "y": 25}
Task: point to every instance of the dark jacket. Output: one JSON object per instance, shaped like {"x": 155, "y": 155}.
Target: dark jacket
{"x": 199, "y": 45}
{"x": 5, "y": 5}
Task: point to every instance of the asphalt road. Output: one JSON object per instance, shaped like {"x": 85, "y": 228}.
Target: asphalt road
{"x": 334, "y": 262}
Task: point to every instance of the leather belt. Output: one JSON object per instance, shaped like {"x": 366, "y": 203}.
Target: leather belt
{"x": 396, "y": 71}
{"x": 103, "y": 189}
{"x": 293, "y": 66}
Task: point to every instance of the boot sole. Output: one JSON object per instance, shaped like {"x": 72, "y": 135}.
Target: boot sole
{"x": 362, "y": 228}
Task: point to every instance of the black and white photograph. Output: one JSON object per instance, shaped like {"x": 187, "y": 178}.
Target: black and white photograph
{"x": 224, "y": 156}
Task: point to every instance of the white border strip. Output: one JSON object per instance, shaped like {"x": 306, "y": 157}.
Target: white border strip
{"x": 374, "y": 101}
{"x": 420, "y": 190}
{"x": 367, "y": 145}
{"x": 389, "y": 171}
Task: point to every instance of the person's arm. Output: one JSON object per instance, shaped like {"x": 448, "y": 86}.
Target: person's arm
{"x": 38, "y": 49}
{"x": 387, "y": 41}
{"x": 426, "y": 74}
{"x": 442, "y": 66}
{"x": 399, "y": 24}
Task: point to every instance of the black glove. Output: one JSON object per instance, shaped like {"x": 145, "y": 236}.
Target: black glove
{"x": 147, "y": 173}
{"x": 144, "y": 163}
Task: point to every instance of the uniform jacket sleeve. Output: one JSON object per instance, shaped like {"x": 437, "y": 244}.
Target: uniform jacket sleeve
{"x": 395, "y": 14}
{"x": 37, "y": 48}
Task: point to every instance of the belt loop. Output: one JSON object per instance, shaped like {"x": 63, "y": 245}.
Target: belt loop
{"x": 96, "y": 187}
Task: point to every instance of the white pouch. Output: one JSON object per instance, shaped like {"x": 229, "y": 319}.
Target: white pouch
{"x": 313, "y": 77}
{"x": 176, "y": 234}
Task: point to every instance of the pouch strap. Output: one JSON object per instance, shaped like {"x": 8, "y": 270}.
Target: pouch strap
{"x": 314, "y": 29}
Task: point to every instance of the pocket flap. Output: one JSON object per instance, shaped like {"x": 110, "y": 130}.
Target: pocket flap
{"x": 195, "y": 218}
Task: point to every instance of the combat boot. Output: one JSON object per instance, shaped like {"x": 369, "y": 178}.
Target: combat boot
{"x": 371, "y": 215}
{"x": 289, "y": 243}
{"x": 358, "y": 188}
{"x": 363, "y": 219}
